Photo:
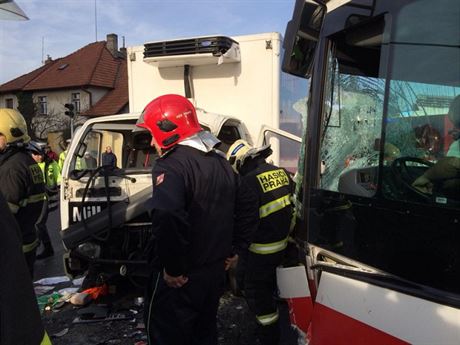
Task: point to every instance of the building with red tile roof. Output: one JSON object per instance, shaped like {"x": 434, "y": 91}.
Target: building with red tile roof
{"x": 93, "y": 78}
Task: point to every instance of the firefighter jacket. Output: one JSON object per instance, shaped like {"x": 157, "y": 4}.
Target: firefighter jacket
{"x": 23, "y": 188}
{"x": 51, "y": 173}
{"x": 193, "y": 206}
{"x": 20, "y": 321}
{"x": 273, "y": 187}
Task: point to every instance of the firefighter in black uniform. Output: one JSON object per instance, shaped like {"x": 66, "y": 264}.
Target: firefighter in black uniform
{"x": 257, "y": 268}
{"x": 19, "y": 314}
{"x": 193, "y": 205}
{"x": 21, "y": 180}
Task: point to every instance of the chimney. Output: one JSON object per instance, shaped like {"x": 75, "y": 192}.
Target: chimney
{"x": 48, "y": 59}
{"x": 112, "y": 44}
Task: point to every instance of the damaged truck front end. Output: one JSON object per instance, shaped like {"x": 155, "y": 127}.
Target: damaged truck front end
{"x": 103, "y": 215}
{"x": 106, "y": 227}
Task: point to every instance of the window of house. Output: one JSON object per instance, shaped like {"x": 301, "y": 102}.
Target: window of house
{"x": 9, "y": 103}
{"x": 43, "y": 105}
{"x": 76, "y": 101}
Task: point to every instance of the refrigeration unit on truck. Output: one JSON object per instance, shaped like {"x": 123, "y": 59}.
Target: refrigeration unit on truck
{"x": 234, "y": 84}
{"x": 378, "y": 214}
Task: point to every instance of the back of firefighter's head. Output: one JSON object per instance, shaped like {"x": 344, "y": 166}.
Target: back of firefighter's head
{"x": 13, "y": 127}
{"x": 241, "y": 153}
{"x": 170, "y": 119}
{"x": 454, "y": 112}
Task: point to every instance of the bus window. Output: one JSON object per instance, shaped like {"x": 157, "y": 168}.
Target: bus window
{"x": 389, "y": 193}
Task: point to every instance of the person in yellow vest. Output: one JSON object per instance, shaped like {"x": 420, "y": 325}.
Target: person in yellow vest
{"x": 63, "y": 154}
{"x": 21, "y": 180}
{"x": 52, "y": 179}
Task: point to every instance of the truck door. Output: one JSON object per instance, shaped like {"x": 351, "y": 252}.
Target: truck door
{"x": 285, "y": 146}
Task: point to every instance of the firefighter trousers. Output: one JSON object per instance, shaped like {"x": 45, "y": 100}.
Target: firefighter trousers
{"x": 257, "y": 272}
{"x": 186, "y": 315}
{"x": 41, "y": 227}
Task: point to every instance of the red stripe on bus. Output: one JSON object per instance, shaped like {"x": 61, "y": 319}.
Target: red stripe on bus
{"x": 331, "y": 327}
{"x": 300, "y": 312}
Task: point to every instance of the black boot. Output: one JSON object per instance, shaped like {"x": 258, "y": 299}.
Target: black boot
{"x": 47, "y": 251}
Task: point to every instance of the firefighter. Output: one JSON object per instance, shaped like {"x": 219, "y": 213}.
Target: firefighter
{"x": 19, "y": 314}
{"x": 193, "y": 203}
{"x": 257, "y": 268}
{"x": 21, "y": 179}
{"x": 51, "y": 174}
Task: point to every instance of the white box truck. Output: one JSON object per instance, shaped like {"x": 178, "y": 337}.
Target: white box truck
{"x": 234, "y": 84}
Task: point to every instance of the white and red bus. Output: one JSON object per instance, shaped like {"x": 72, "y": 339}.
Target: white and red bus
{"x": 380, "y": 250}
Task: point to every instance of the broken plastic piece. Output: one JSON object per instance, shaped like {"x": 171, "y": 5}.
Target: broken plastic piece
{"x": 97, "y": 291}
{"x": 52, "y": 280}
{"x": 111, "y": 317}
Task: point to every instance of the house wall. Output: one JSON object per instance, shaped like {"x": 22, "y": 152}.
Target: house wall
{"x": 6, "y": 96}
{"x": 57, "y": 99}
{"x": 97, "y": 93}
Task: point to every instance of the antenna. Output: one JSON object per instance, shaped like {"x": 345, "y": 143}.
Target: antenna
{"x": 43, "y": 50}
{"x": 95, "y": 18}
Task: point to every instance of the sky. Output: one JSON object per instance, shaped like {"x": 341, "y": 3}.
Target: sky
{"x": 59, "y": 27}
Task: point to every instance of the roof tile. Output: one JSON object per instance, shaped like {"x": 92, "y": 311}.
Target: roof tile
{"x": 19, "y": 83}
{"x": 115, "y": 100}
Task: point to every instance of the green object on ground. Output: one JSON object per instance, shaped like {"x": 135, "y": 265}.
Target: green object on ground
{"x": 48, "y": 301}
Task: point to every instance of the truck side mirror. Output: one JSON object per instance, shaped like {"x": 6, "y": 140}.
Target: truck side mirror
{"x": 302, "y": 33}
{"x": 81, "y": 150}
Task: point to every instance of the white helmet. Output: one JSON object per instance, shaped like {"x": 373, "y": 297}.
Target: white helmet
{"x": 241, "y": 151}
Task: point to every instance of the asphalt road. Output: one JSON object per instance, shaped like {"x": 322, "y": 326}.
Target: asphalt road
{"x": 52, "y": 266}
{"x": 236, "y": 325}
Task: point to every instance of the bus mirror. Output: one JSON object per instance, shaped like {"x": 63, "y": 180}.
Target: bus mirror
{"x": 302, "y": 33}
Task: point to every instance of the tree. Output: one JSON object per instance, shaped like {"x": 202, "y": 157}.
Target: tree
{"x": 51, "y": 122}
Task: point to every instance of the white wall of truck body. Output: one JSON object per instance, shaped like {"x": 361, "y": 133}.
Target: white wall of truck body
{"x": 248, "y": 90}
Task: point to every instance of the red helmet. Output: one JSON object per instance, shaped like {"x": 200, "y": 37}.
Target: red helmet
{"x": 170, "y": 119}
